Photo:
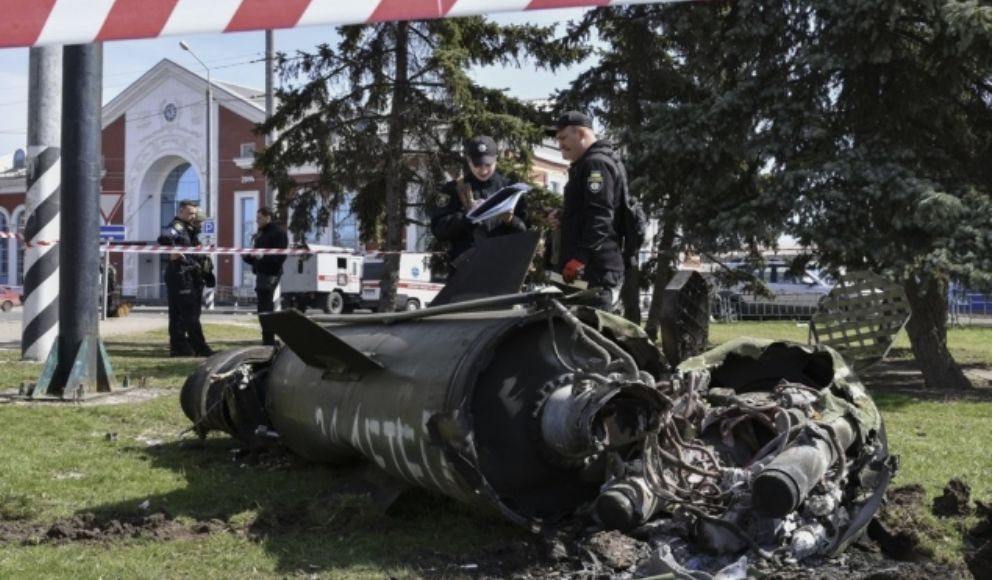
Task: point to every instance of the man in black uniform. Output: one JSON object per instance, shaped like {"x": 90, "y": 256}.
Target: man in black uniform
{"x": 590, "y": 246}
{"x": 448, "y": 218}
{"x": 268, "y": 268}
{"x": 184, "y": 278}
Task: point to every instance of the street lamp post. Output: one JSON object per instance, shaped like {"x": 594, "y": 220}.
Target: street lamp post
{"x": 210, "y": 99}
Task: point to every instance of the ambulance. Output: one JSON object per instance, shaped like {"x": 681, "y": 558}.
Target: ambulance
{"x": 329, "y": 279}
{"x": 418, "y": 283}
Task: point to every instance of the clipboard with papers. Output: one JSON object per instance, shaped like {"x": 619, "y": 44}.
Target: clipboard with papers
{"x": 499, "y": 203}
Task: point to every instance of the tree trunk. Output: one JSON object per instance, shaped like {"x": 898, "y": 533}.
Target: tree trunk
{"x": 396, "y": 190}
{"x": 663, "y": 275}
{"x": 634, "y": 73}
{"x": 929, "y": 336}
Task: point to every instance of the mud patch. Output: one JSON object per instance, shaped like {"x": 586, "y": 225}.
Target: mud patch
{"x": 88, "y": 528}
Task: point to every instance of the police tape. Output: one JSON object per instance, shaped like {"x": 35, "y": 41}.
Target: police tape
{"x": 157, "y": 249}
{"x": 160, "y": 249}
{"x": 27, "y": 244}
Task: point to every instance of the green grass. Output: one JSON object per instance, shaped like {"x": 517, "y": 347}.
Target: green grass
{"x": 967, "y": 344}
{"x": 287, "y": 521}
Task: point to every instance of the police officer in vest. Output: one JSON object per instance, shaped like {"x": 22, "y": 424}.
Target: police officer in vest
{"x": 479, "y": 181}
{"x": 590, "y": 248}
{"x": 184, "y": 278}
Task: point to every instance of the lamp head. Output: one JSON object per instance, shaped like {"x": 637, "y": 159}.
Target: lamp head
{"x": 182, "y": 43}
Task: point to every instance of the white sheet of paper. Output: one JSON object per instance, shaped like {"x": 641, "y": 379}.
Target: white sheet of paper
{"x": 503, "y": 207}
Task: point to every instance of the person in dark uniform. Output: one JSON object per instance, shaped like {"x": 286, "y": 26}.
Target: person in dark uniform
{"x": 184, "y": 280}
{"x": 590, "y": 248}
{"x": 268, "y": 268}
{"x": 448, "y": 218}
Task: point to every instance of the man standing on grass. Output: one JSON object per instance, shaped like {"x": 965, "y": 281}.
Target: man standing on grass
{"x": 589, "y": 247}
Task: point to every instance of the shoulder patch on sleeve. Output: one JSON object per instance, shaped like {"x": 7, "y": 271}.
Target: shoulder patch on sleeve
{"x": 595, "y": 181}
{"x": 443, "y": 199}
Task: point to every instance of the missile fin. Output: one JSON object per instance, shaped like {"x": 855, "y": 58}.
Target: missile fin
{"x": 315, "y": 345}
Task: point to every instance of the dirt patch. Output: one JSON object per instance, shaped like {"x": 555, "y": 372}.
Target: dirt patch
{"x": 89, "y": 528}
{"x": 904, "y": 377}
{"x": 889, "y": 551}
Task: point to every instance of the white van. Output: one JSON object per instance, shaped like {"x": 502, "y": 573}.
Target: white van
{"x": 418, "y": 284}
{"x": 330, "y": 280}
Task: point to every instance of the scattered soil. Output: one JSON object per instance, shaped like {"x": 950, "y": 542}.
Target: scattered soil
{"x": 890, "y": 550}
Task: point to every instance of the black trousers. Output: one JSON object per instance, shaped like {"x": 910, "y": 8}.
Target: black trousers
{"x": 265, "y": 303}
{"x": 185, "y": 333}
{"x": 610, "y": 283}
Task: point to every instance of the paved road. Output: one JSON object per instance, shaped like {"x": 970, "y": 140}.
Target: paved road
{"x": 138, "y": 321}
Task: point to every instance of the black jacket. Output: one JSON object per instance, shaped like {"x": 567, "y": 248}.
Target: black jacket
{"x": 188, "y": 268}
{"x": 448, "y": 221}
{"x": 270, "y": 236}
{"x": 591, "y": 198}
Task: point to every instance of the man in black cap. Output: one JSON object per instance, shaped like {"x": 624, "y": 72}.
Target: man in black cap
{"x": 448, "y": 215}
{"x": 184, "y": 278}
{"x": 590, "y": 245}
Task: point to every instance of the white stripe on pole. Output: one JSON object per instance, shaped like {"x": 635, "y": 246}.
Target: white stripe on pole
{"x": 80, "y": 20}
{"x": 197, "y": 16}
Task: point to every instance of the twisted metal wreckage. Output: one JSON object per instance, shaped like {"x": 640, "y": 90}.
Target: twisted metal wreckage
{"x": 555, "y": 415}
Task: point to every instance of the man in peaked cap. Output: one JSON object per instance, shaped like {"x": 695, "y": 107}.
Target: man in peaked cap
{"x": 184, "y": 284}
{"x": 590, "y": 245}
{"x": 479, "y": 181}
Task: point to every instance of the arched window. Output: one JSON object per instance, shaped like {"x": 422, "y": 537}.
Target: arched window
{"x": 181, "y": 183}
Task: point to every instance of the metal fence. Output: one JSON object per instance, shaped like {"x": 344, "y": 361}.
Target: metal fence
{"x": 786, "y": 306}
{"x": 969, "y": 307}
{"x": 155, "y": 294}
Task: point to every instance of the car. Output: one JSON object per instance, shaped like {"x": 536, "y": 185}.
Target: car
{"x": 8, "y": 298}
{"x": 796, "y": 296}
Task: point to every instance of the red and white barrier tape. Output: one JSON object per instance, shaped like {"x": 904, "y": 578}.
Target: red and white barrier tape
{"x": 158, "y": 249}
{"x": 52, "y": 22}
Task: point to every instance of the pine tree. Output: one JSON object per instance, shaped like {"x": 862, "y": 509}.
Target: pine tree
{"x": 860, "y": 127}
{"x": 384, "y": 115}
{"x": 659, "y": 88}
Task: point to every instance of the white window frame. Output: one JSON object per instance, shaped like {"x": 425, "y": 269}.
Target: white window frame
{"x": 239, "y": 219}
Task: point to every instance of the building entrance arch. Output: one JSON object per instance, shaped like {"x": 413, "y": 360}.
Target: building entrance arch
{"x": 167, "y": 181}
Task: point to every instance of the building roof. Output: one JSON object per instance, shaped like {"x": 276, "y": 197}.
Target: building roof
{"x": 246, "y": 101}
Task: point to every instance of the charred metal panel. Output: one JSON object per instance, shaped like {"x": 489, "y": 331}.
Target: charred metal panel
{"x": 497, "y": 266}
{"x": 685, "y": 316}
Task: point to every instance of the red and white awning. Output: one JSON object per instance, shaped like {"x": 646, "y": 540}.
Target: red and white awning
{"x": 51, "y": 22}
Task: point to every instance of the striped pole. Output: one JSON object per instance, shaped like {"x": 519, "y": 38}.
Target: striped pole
{"x": 40, "y": 323}
{"x": 208, "y": 298}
